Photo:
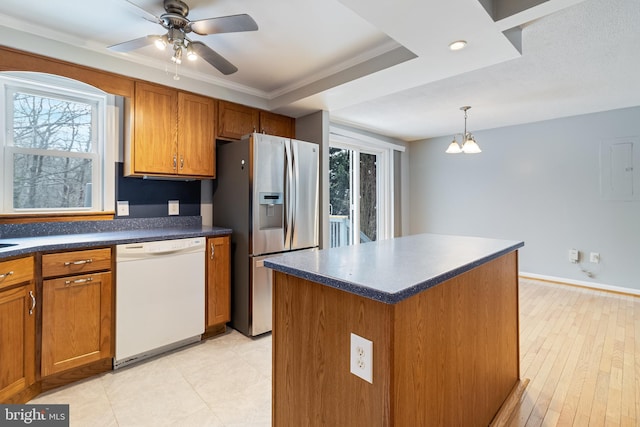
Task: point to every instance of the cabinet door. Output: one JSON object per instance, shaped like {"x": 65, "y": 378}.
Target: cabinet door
{"x": 17, "y": 340}
{"x": 76, "y": 321}
{"x": 235, "y": 120}
{"x": 276, "y": 124}
{"x": 154, "y": 150}
{"x": 218, "y": 280}
{"x": 196, "y": 135}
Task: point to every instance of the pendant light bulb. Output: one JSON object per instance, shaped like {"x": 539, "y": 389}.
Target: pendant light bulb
{"x": 453, "y": 148}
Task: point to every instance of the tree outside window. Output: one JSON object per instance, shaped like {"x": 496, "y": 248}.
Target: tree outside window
{"x": 57, "y": 127}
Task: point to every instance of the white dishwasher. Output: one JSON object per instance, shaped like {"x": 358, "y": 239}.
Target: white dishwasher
{"x": 159, "y": 297}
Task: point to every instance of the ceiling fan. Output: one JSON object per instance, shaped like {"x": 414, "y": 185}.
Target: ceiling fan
{"x": 175, "y": 21}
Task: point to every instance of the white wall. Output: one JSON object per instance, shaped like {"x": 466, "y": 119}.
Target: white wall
{"x": 538, "y": 183}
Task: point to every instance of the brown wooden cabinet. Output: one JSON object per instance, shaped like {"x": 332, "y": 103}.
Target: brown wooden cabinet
{"x": 218, "y": 310}
{"x": 196, "y": 135}
{"x": 236, "y": 121}
{"x": 173, "y": 133}
{"x": 276, "y": 124}
{"x": 77, "y": 309}
{"x": 17, "y": 328}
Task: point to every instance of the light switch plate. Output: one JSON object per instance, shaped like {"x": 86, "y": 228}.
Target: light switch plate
{"x": 174, "y": 207}
{"x": 123, "y": 208}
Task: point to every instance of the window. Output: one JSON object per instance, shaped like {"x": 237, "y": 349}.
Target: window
{"x": 53, "y": 153}
{"x": 360, "y": 189}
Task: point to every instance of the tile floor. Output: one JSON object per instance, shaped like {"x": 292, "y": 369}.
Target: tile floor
{"x": 224, "y": 381}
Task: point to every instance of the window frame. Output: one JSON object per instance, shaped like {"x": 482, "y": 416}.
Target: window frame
{"x": 104, "y": 127}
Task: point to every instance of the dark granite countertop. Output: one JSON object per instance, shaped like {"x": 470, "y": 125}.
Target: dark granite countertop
{"x": 30, "y": 238}
{"x": 393, "y": 270}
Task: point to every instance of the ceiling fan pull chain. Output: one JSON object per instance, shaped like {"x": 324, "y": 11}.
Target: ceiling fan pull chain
{"x": 176, "y": 76}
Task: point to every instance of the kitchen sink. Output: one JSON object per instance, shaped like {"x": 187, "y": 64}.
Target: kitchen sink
{"x": 7, "y": 245}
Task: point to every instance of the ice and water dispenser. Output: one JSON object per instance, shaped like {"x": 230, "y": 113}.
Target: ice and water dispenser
{"x": 271, "y": 209}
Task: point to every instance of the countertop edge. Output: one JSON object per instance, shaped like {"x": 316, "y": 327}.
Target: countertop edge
{"x": 386, "y": 297}
{"x": 30, "y": 245}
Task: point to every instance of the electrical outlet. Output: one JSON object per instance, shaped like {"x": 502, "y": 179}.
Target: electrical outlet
{"x": 362, "y": 358}
{"x": 174, "y": 207}
{"x": 123, "y": 208}
{"x": 574, "y": 255}
{"x": 594, "y": 257}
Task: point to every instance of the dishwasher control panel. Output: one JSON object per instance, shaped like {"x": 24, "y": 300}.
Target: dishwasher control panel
{"x": 159, "y": 247}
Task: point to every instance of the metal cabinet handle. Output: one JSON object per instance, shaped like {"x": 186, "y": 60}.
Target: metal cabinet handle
{"x": 175, "y": 162}
{"x": 213, "y": 250}
{"x": 181, "y": 162}
{"x": 79, "y": 262}
{"x": 77, "y": 281}
{"x": 5, "y": 275}
{"x": 33, "y": 303}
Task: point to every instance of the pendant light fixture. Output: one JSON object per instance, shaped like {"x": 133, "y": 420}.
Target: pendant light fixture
{"x": 469, "y": 145}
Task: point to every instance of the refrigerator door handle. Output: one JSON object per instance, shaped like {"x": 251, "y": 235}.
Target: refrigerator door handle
{"x": 294, "y": 192}
{"x": 288, "y": 190}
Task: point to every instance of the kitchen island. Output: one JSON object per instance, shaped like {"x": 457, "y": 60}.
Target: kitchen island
{"x": 441, "y": 313}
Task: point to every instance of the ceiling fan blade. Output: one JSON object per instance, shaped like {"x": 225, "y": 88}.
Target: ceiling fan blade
{"x": 213, "y": 58}
{"x": 133, "y": 44}
{"x": 145, "y": 13}
{"x": 224, "y": 24}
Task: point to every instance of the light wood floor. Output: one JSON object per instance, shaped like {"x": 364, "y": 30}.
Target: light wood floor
{"x": 581, "y": 350}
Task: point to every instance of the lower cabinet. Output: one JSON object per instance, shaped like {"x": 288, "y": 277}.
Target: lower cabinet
{"x": 77, "y": 310}
{"x": 218, "y": 289}
{"x": 76, "y": 321}
{"x": 17, "y": 328}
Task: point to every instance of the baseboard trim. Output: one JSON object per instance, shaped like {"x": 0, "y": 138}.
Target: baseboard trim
{"x": 581, "y": 284}
{"x": 508, "y": 408}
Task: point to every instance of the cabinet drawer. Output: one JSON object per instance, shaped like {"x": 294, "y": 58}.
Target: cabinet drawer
{"x": 76, "y": 262}
{"x": 16, "y": 271}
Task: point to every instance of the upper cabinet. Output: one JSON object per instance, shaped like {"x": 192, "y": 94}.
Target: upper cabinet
{"x": 236, "y": 121}
{"x": 276, "y": 124}
{"x": 196, "y": 135}
{"x": 173, "y": 133}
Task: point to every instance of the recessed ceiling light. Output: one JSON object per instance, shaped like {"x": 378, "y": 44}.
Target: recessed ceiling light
{"x": 457, "y": 45}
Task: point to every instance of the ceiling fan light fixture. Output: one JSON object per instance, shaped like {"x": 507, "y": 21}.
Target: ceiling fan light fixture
{"x": 177, "y": 55}
{"x": 191, "y": 55}
{"x": 177, "y": 26}
{"x": 161, "y": 42}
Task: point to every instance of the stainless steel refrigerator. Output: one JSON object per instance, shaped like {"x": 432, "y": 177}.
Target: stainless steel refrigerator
{"x": 266, "y": 191}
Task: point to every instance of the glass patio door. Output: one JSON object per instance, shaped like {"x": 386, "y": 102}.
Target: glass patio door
{"x": 354, "y": 194}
